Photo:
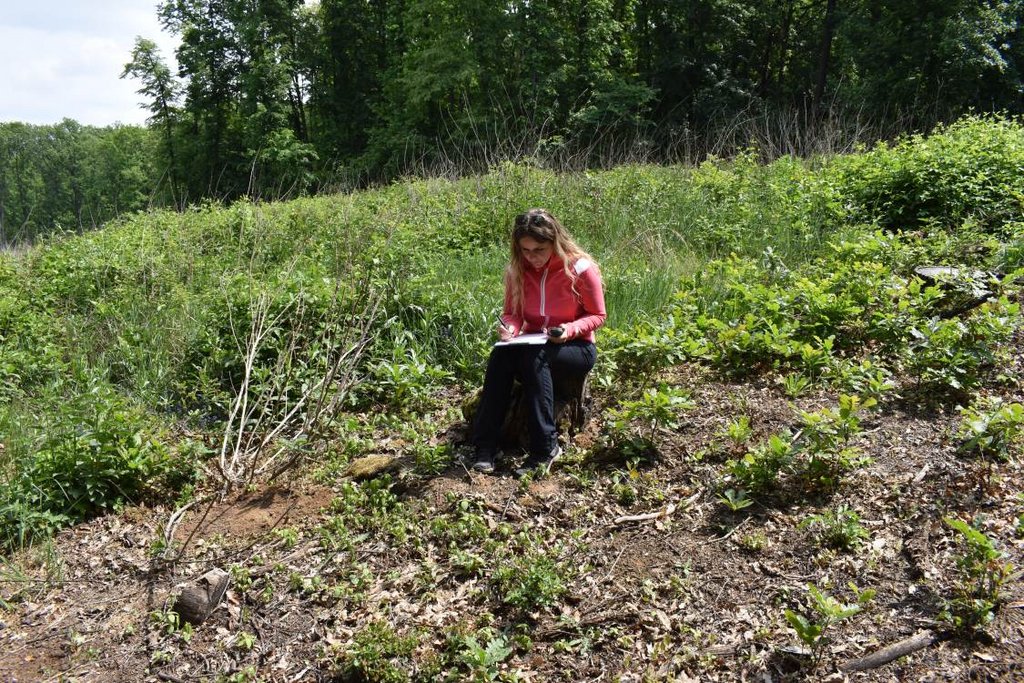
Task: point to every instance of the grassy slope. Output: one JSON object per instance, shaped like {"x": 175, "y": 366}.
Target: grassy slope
{"x": 417, "y": 576}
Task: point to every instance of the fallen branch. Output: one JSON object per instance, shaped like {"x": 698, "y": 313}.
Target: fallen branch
{"x": 916, "y": 642}
{"x": 648, "y": 516}
{"x": 729, "y": 533}
{"x": 672, "y": 507}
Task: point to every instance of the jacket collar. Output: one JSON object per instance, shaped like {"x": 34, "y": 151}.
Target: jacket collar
{"x": 554, "y": 263}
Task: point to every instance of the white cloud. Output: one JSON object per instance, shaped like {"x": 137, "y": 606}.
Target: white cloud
{"x": 63, "y": 59}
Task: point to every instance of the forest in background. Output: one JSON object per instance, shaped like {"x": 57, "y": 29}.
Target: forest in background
{"x": 278, "y": 98}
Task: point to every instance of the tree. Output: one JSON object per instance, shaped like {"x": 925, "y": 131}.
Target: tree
{"x": 162, "y": 90}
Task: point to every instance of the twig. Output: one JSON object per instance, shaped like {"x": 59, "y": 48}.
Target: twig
{"x": 184, "y": 546}
{"x": 916, "y": 642}
{"x": 730, "y": 532}
{"x": 647, "y": 516}
{"x": 507, "y": 503}
{"x": 615, "y": 562}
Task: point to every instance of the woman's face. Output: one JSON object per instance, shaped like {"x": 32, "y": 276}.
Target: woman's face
{"x": 536, "y": 253}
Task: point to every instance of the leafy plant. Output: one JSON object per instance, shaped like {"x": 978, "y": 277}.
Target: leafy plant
{"x": 826, "y": 440}
{"x": 981, "y": 574}
{"x": 658, "y": 408}
{"x": 991, "y": 428}
{"x": 738, "y": 431}
{"x": 839, "y": 528}
{"x": 795, "y": 384}
{"x": 431, "y": 460}
{"x": 954, "y": 353}
{"x": 735, "y": 500}
{"x": 97, "y": 453}
{"x": 631, "y": 484}
{"x": 528, "y": 577}
{"x": 378, "y": 654}
{"x": 758, "y": 471}
{"x": 484, "y": 661}
{"x": 828, "y": 611}
{"x": 404, "y": 382}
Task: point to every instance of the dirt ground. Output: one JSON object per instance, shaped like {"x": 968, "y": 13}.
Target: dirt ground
{"x": 669, "y": 586}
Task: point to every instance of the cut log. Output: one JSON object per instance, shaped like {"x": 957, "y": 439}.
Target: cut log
{"x": 916, "y": 642}
{"x": 572, "y": 409}
{"x": 197, "y": 600}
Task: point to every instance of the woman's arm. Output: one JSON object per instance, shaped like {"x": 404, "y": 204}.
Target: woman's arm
{"x": 588, "y": 283}
{"x": 512, "y": 321}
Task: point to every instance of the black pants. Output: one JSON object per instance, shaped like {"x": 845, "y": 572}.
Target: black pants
{"x": 533, "y": 366}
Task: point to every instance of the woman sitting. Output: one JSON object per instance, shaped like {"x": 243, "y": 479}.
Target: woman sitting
{"x": 554, "y": 288}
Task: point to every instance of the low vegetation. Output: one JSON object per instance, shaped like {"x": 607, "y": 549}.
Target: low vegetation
{"x": 782, "y": 398}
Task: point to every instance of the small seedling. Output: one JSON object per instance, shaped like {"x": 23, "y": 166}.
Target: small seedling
{"x": 795, "y": 385}
{"x": 839, "y": 528}
{"x": 738, "y": 431}
{"x": 982, "y": 573}
{"x": 829, "y": 611}
{"x": 484, "y": 660}
{"x": 735, "y": 500}
{"x": 245, "y": 641}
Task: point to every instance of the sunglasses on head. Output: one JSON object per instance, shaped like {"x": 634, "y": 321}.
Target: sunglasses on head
{"x": 529, "y": 219}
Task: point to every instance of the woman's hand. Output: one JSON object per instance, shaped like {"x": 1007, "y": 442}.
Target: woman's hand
{"x": 556, "y": 335}
{"x": 504, "y": 333}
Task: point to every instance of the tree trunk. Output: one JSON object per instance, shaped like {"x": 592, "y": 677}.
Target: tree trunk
{"x": 824, "y": 56}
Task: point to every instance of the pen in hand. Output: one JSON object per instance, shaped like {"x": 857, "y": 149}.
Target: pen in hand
{"x": 509, "y": 333}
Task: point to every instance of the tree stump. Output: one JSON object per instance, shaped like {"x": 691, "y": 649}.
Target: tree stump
{"x": 197, "y": 600}
{"x": 572, "y": 409}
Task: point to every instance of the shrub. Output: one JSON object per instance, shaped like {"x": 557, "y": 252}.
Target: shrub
{"x": 96, "y": 453}
{"x": 954, "y": 354}
{"x": 969, "y": 170}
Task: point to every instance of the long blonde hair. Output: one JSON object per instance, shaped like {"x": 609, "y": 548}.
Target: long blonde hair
{"x": 543, "y": 227}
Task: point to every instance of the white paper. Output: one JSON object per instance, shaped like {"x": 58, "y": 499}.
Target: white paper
{"x": 532, "y": 338}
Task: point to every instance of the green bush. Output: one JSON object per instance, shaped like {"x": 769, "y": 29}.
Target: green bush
{"x": 94, "y": 453}
{"x": 991, "y": 428}
{"x": 967, "y": 171}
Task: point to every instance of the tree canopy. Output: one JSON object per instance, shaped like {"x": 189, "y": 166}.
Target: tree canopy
{"x": 274, "y": 98}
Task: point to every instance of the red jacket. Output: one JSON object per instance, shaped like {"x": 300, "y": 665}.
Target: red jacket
{"x": 549, "y": 300}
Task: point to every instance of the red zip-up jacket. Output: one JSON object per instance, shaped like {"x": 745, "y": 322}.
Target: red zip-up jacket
{"x": 549, "y": 300}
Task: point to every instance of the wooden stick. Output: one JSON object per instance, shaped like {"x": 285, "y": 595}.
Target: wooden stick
{"x": 916, "y": 642}
{"x": 650, "y": 515}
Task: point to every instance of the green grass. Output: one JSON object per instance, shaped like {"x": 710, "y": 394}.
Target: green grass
{"x": 147, "y": 317}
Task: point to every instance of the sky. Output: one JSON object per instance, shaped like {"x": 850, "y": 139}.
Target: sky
{"x": 63, "y": 59}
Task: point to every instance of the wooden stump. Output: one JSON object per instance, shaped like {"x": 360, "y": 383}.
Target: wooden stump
{"x": 197, "y": 600}
{"x": 572, "y": 409}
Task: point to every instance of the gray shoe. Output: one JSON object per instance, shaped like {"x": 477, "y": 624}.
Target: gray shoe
{"x": 540, "y": 465}
{"x": 483, "y": 461}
